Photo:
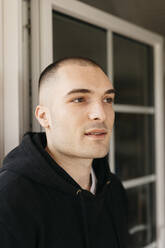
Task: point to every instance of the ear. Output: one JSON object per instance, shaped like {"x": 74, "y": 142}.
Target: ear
{"x": 42, "y": 115}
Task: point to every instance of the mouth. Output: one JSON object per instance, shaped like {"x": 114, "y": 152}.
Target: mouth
{"x": 96, "y": 134}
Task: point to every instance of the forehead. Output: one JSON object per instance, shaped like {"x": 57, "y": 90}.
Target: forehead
{"x": 75, "y": 76}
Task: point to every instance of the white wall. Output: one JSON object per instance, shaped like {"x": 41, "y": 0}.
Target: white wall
{"x": 11, "y": 75}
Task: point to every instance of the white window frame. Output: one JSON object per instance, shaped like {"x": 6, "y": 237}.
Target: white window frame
{"x": 14, "y": 96}
{"x": 1, "y": 85}
{"x": 11, "y": 69}
{"x": 42, "y": 55}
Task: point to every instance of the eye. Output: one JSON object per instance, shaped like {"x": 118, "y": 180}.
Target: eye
{"x": 78, "y": 99}
{"x": 108, "y": 100}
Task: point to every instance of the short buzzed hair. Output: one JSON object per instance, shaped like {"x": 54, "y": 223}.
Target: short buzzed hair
{"x": 53, "y": 68}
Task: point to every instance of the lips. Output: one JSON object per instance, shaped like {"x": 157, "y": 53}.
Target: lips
{"x": 96, "y": 132}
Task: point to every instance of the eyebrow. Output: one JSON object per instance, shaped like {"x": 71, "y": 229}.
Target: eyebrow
{"x": 74, "y": 91}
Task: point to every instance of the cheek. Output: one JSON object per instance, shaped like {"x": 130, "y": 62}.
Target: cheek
{"x": 77, "y": 115}
{"x": 111, "y": 117}
{"x": 66, "y": 119}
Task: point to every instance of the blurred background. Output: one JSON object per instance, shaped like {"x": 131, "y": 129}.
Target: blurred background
{"x": 127, "y": 39}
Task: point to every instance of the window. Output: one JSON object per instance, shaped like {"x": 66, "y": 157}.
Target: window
{"x": 135, "y": 134}
{"x": 79, "y": 39}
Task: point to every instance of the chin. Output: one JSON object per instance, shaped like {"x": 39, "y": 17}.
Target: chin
{"x": 99, "y": 154}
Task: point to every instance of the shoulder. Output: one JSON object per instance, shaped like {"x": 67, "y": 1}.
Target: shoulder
{"x": 19, "y": 206}
{"x": 116, "y": 182}
{"x": 7, "y": 179}
{"x": 118, "y": 203}
{"x": 17, "y": 194}
{"x": 118, "y": 192}
{"x": 11, "y": 183}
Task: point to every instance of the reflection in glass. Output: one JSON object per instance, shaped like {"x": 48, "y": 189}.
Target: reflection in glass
{"x": 134, "y": 145}
{"x": 141, "y": 202}
{"x": 72, "y": 37}
{"x": 133, "y": 71}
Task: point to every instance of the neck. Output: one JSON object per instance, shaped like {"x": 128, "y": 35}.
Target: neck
{"x": 79, "y": 169}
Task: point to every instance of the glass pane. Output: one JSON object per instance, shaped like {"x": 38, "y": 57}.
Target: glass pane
{"x": 141, "y": 202}
{"x": 133, "y": 71}
{"x": 72, "y": 37}
{"x": 134, "y": 145}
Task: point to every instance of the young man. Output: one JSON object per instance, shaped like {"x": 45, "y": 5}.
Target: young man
{"x": 56, "y": 189}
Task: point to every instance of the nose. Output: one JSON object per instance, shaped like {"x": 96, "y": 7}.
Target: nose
{"x": 97, "y": 112}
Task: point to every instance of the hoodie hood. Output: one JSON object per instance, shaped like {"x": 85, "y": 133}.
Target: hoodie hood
{"x": 31, "y": 161}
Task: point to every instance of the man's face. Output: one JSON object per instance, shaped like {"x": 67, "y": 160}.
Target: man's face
{"x": 81, "y": 112}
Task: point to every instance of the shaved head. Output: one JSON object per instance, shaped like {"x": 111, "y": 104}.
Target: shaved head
{"x": 50, "y": 75}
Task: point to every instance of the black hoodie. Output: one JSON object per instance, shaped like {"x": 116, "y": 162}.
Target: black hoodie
{"x": 41, "y": 206}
